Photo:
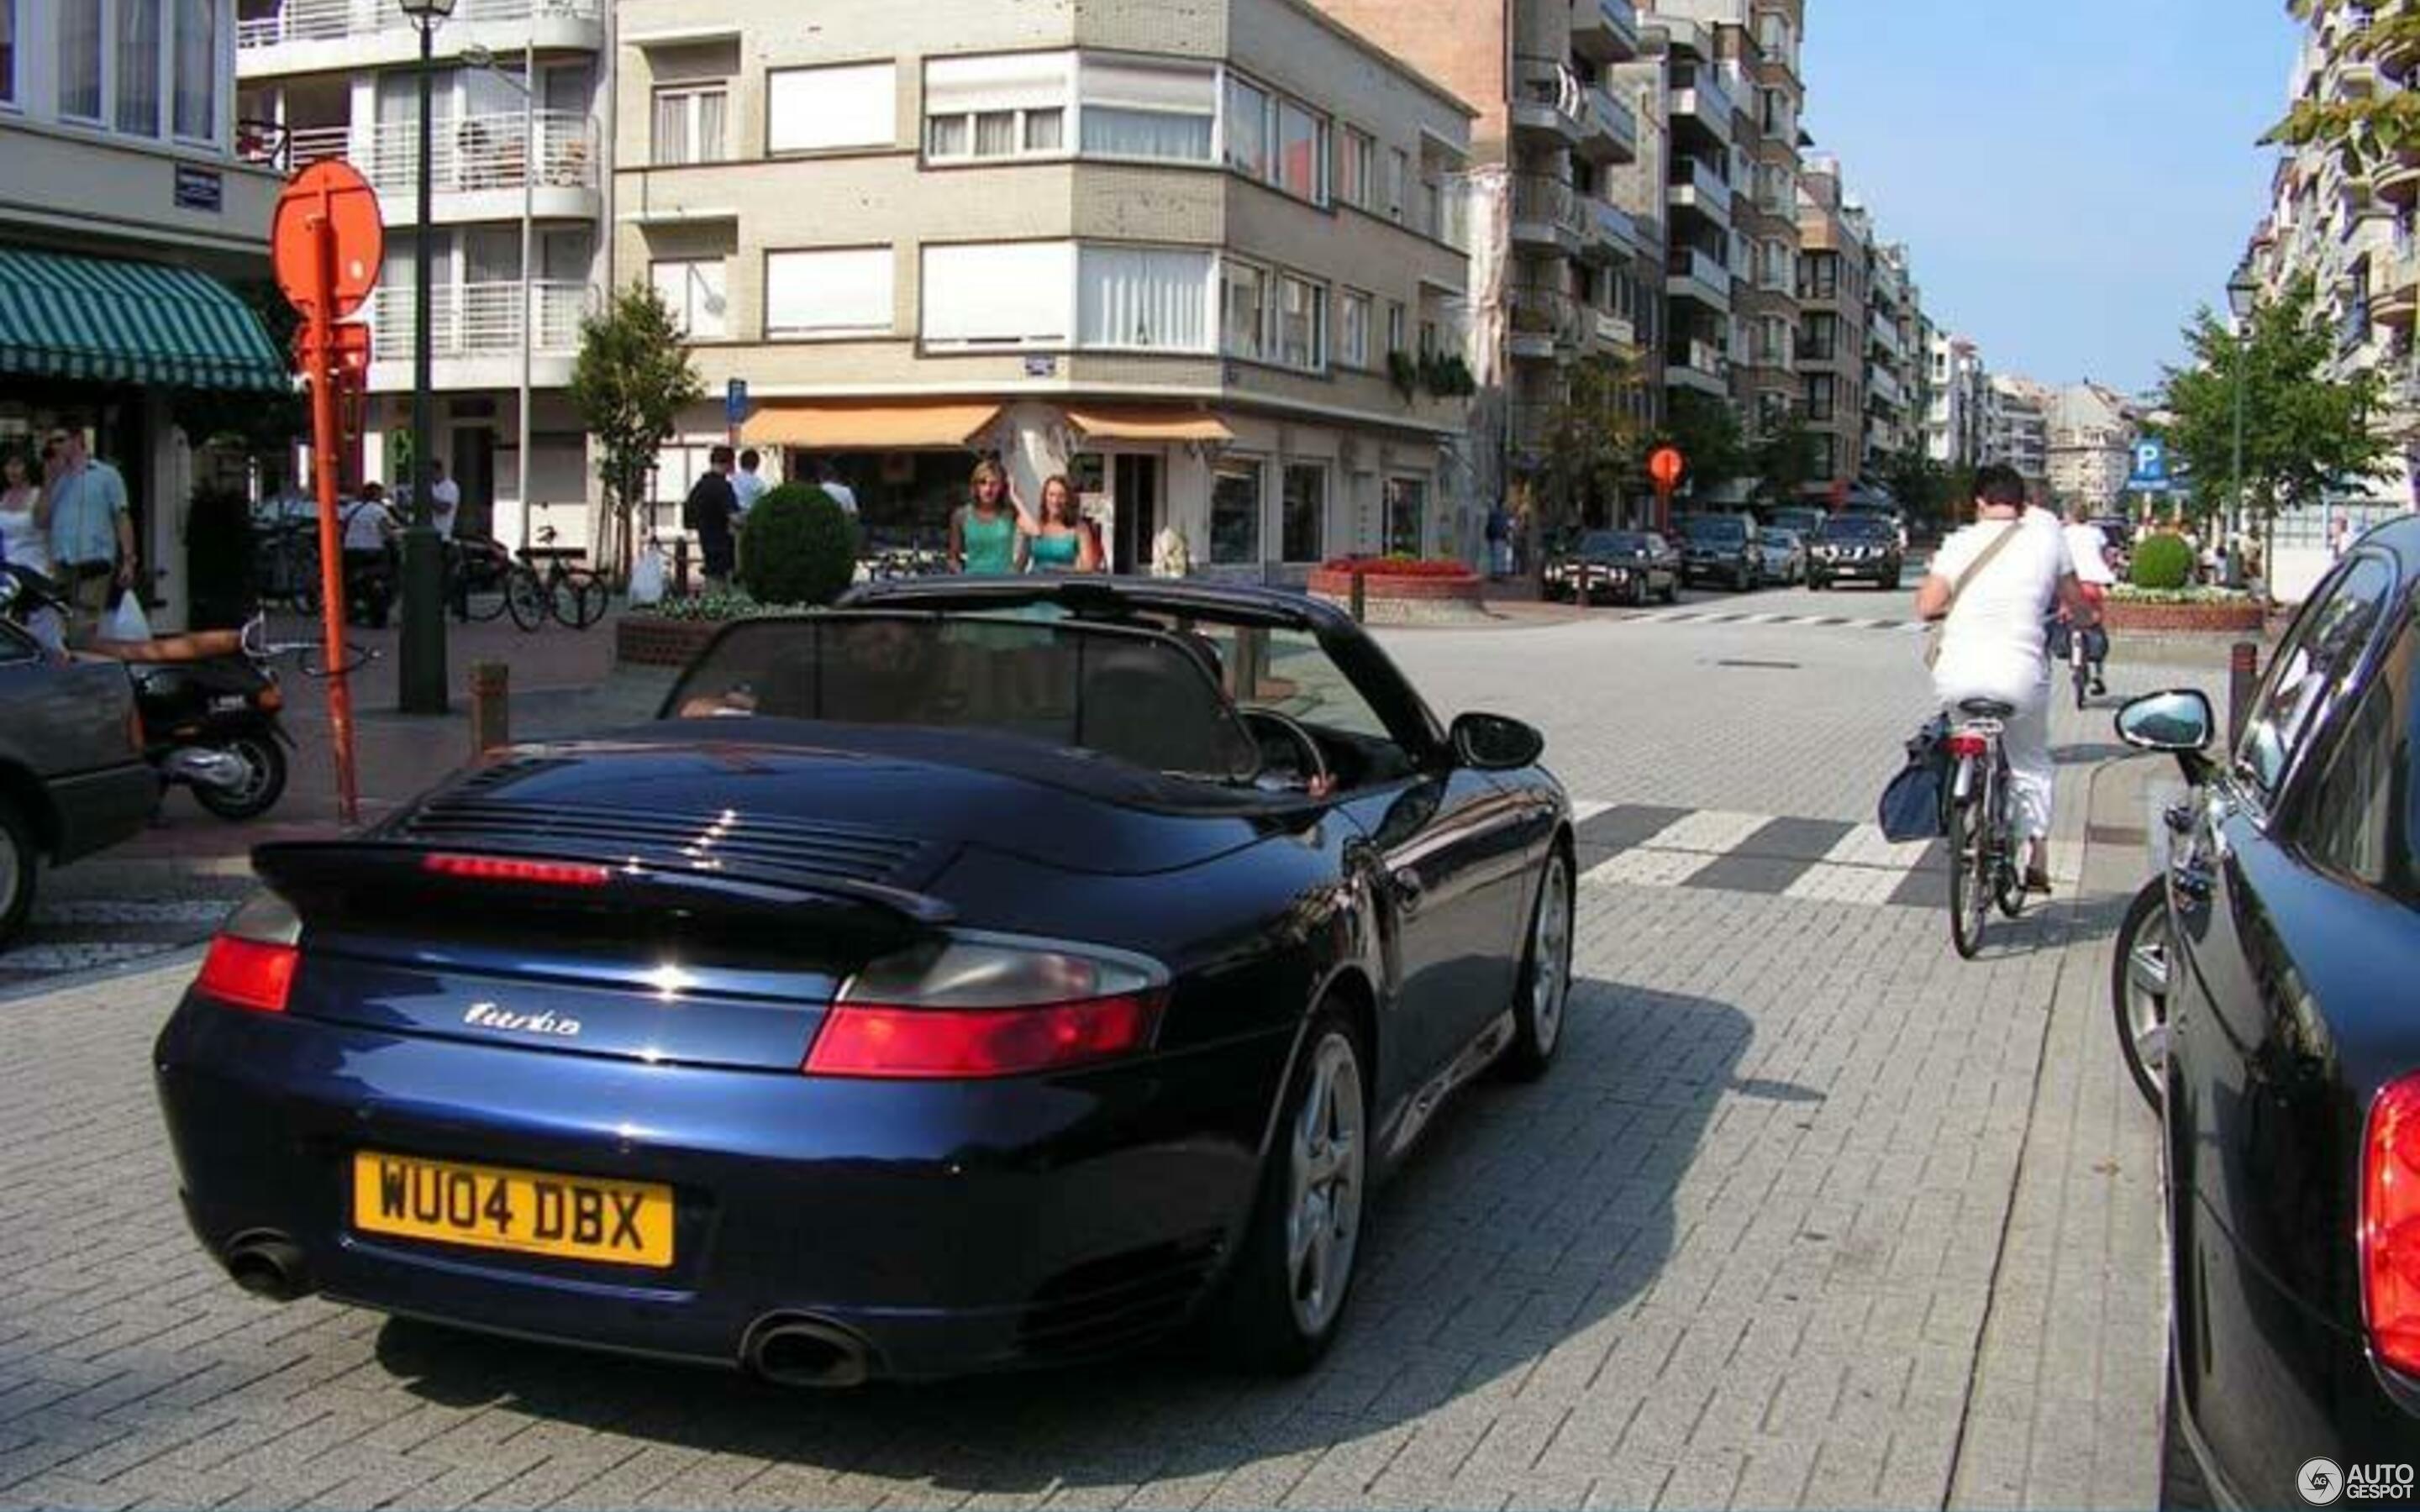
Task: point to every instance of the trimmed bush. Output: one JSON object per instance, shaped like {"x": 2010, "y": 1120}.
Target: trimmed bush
{"x": 2163, "y": 562}
{"x": 798, "y": 546}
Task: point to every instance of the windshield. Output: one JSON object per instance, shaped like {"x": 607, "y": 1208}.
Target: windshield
{"x": 1784, "y": 539}
{"x": 1148, "y": 699}
{"x": 1716, "y": 529}
{"x": 1859, "y": 528}
{"x": 1613, "y": 544}
{"x": 1801, "y": 521}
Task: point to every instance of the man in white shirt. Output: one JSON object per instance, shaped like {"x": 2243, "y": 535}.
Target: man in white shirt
{"x": 2087, "y": 549}
{"x": 445, "y": 500}
{"x": 370, "y": 530}
{"x": 747, "y": 485}
{"x": 828, "y": 479}
{"x": 1992, "y": 641}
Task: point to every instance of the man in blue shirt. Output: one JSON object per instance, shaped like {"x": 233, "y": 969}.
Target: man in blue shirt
{"x": 92, "y": 535}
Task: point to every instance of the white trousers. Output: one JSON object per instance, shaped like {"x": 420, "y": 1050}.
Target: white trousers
{"x": 2025, "y": 738}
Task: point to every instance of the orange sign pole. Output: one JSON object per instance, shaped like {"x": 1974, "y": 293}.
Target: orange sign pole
{"x": 1664, "y": 465}
{"x": 325, "y": 439}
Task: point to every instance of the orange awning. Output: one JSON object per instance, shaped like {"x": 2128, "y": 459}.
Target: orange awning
{"x": 1127, "y": 424}
{"x": 865, "y": 425}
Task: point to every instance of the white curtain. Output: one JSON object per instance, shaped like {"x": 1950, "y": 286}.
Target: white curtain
{"x": 1143, "y": 110}
{"x": 138, "y": 67}
{"x": 828, "y": 291}
{"x": 1146, "y": 133}
{"x": 198, "y": 73}
{"x": 1242, "y": 302}
{"x": 1142, "y": 297}
{"x": 1011, "y": 294}
{"x": 80, "y": 58}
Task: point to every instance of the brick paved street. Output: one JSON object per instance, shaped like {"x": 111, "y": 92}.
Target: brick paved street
{"x": 1810, "y": 1212}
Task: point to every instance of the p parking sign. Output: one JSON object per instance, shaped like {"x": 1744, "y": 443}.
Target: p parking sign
{"x": 2150, "y": 474}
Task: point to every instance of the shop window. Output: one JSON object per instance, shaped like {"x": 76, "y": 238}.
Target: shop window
{"x": 1235, "y": 515}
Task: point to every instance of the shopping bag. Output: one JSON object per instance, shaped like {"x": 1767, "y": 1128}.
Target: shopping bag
{"x": 126, "y": 621}
{"x": 647, "y": 577}
{"x": 1913, "y": 805}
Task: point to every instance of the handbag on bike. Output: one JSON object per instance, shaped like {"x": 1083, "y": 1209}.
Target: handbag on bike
{"x": 1914, "y": 803}
{"x": 1933, "y": 628}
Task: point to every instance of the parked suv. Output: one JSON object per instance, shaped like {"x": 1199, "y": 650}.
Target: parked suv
{"x": 1855, "y": 548}
{"x": 1721, "y": 548}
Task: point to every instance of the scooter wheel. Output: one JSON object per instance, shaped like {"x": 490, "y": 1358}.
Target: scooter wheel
{"x": 264, "y": 763}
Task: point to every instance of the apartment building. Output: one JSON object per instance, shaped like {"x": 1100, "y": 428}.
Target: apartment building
{"x": 519, "y": 173}
{"x": 1702, "y": 101}
{"x": 1955, "y": 405}
{"x": 1568, "y": 226}
{"x": 1189, "y": 255}
{"x": 2089, "y": 444}
{"x": 2016, "y": 428}
{"x": 134, "y": 245}
{"x": 1834, "y": 272}
{"x": 1894, "y": 378}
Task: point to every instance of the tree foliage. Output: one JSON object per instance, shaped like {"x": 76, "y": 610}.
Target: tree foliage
{"x": 2302, "y": 432}
{"x": 1589, "y": 447}
{"x": 1707, "y": 432}
{"x": 630, "y": 383}
{"x": 1921, "y": 484}
{"x": 1783, "y": 457}
{"x": 2161, "y": 562}
{"x": 2370, "y": 128}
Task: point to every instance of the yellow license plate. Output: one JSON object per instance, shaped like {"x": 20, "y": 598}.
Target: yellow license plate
{"x": 488, "y": 1207}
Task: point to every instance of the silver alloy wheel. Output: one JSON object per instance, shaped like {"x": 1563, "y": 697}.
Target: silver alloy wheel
{"x": 1323, "y": 1193}
{"x": 2146, "y": 993}
{"x": 1550, "y": 954}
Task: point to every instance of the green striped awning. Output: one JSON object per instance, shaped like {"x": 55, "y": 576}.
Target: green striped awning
{"x": 100, "y": 319}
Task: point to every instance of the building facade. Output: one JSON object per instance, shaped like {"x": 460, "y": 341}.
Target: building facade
{"x": 1834, "y": 262}
{"x": 1701, "y": 92}
{"x": 2016, "y": 429}
{"x": 1895, "y": 361}
{"x": 1567, "y": 230}
{"x": 133, "y": 248}
{"x": 1191, "y": 255}
{"x": 520, "y": 174}
{"x": 1955, "y": 401}
{"x": 2088, "y": 445}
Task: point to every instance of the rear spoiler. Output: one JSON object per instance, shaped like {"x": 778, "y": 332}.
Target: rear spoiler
{"x": 394, "y": 871}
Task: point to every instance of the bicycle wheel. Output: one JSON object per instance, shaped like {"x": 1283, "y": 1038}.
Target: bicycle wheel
{"x": 1970, "y": 865}
{"x": 2082, "y": 661}
{"x": 525, "y": 597}
{"x": 2008, "y": 873}
{"x": 479, "y": 592}
{"x": 577, "y": 599}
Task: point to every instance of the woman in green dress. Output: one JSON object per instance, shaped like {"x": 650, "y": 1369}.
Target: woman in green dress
{"x": 1063, "y": 542}
{"x": 987, "y": 533}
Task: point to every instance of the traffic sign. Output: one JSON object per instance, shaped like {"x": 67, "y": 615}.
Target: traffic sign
{"x": 734, "y": 402}
{"x": 334, "y": 192}
{"x": 2150, "y": 473}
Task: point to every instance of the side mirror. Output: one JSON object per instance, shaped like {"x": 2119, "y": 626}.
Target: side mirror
{"x": 1493, "y": 743}
{"x": 2178, "y": 720}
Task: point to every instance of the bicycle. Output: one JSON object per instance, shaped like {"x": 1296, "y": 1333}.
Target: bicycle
{"x": 575, "y": 596}
{"x": 1984, "y": 866}
{"x": 2084, "y": 650}
{"x": 478, "y": 575}
{"x": 285, "y": 564}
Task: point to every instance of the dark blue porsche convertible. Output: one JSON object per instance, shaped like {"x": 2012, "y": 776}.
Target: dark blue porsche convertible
{"x": 984, "y": 974}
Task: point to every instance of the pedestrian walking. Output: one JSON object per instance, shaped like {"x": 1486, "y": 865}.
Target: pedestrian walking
{"x": 711, "y": 510}
{"x": 92, "y": 532}
{"x": 25, "y": 516}
{"x": 828, "y": 479}
{"x": 987, "y": 533}
{"x": 2339, "y": 536}
{"x": 1499, "y": 541}
{"x": 747, "y": 486}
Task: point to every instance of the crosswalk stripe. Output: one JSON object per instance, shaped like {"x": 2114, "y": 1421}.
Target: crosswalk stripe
{"x": 1707, "y": 831}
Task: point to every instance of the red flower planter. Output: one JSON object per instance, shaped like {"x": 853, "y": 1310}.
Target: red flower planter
{"x": 2237, "y": 617}
{"x": 647, "y": 640}
{"x": 1436, "y": 592}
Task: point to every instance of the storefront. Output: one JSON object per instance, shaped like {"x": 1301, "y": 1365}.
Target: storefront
{"x": 104, "y": 346}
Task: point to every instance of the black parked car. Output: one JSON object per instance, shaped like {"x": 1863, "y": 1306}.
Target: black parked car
{"x": 1855, "y": 548}
{"x": 988, "y": 974}
{"x": 2288, "y": 1064}
{"x": 1721, "y": 548}
{"x": 1619, "y": 566}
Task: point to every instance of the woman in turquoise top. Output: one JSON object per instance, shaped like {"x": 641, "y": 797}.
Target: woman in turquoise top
{"x": 988, "y": 535}
{"x": 1062, "y": 542}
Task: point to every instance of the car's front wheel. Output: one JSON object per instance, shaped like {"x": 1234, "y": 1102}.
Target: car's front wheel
{"x": 1295, "y": 1273}
{"x": 1545, "y": 986}
{"x": 18, "y": 864}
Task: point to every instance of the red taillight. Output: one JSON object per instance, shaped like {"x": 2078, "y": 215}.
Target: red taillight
{"x": 868, "y": 1039}
{"x": 2390, "y": 1226}
{"x": 1966, "y": 743}
{"x": 255, "y": 974}
{"x": 513, "y": 869}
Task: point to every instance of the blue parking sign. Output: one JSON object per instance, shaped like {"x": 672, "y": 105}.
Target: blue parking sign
{"x": 2150, "y": 466}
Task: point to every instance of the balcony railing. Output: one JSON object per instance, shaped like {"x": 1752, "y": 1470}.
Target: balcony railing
{"x": 1607, "y": 30}
{"x": 1544, "y": 312}
{"x": 328, "y": 20}
{"x": 1549, "y": 92}
{"x": 1442, "y": 211}
{"x": 1713, "y": 192}
{"x": 1698, "y": 356}
{"x": 1700, "y": 92}
{"x": 1691, "y": 263}
{"x": 1538, "y": 200}
{"x": 479, "y": 319}
{"x": 1605, "y": 123}
{"x": 466, "y": 154}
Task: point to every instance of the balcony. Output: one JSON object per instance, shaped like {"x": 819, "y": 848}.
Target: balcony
{"x": 1612, "y": 234}
{"x": 1697, "y": 365}
{"x": 1700, "y": 188}
{"x": 2396, "y": 180}
{"x": 1693, "y": 275}
{"x": 1884, "y": 388}
{"x": 475, "y": 332}
{"x": 2395, "y": 291}
{"x": 1540, "y": 322}
{"x": 1703, "y": 99}
{"x": 1608, "y": 132}
{"x": 1613, "y": 332}
{"x": 319, "y": 35}
{"x": 475, "y": 156}
{"x": 1605, "y": 31}
{"x": 1886, "y": 335}
{"x": 1548, "y": 215}
{"x": 1546, "y": 105}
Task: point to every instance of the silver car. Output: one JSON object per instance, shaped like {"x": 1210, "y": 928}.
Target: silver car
{"x": 73, "y": 777}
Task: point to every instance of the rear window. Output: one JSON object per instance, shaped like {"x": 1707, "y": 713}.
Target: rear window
{"x": 1856, "y": 528}
{"x": 1714, "y": 528}
{"x": 1612, "y": 543}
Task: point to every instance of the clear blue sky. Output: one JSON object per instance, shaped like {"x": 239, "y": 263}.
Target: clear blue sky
{"x": 2071, "y": 176}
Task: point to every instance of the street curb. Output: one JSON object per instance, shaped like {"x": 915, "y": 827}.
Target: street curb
{"x": 180, "y": 958}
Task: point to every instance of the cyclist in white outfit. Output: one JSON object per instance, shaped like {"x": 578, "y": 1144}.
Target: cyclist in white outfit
{"x": 2087, "y": 548}
{"x": 1992, "y": 643}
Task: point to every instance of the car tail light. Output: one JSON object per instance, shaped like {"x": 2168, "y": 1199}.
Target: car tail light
{"x": 967, "y": 1009}
{"x": 516, "y": 869}
{"x": 2390, "y": 1226}
{"x": 1967, "y": 742}
{"x": 252, "y": 959}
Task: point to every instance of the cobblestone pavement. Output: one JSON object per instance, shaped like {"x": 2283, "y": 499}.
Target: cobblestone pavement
{"x": 1809, "y": 1213}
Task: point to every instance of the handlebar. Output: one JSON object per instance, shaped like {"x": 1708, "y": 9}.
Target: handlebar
{"x": 257, "y": 646}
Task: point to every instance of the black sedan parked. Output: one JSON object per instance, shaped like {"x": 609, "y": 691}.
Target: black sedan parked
{"x": 2290, "y": 1065}
{"x": 987, "y": 974}
{"x": 1855, "y": 547}
{"x": 1618, "y": 567}
{"x": 1721, "y": 548}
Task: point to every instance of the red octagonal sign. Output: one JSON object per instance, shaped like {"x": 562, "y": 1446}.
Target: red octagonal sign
{"x": 335, "y": 193}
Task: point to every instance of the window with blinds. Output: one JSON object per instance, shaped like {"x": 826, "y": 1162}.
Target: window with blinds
{"x": 817, "y": 110}
{"x": 690, "y": 125}
{"x": 1006, "y": 106}
{"x": 1144, "y": 298}
{"x": 829, "y": 292}
{"x": 1136, "y": 109}
{"x": 1011, "y": 294}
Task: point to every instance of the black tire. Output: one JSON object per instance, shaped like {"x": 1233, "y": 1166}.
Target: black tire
{"x": 480, "y": 595}
{"x": 579, "y": 600}
{"x": 20, "y": 873}
{"x": 1538, "y": 1024}
{"x": 1672, "y": 592}
{"x": 525, "y": 597}
{"x": 1891, "y": 584}
{"x": 1815, "y": 583}
{"x": 2138, "y": 1006}
{"x": 266, "y": 759}
{"x": 1258, "y": 1324}
{"x": 1970, "y": 900}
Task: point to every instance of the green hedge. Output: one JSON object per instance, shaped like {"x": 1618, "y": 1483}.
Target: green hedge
{"x": 798, "y": 546}
{"x": 2162, "y": 562}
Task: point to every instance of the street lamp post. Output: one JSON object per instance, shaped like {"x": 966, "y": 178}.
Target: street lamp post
{"x": 479, "y": 57}
{"x": 421, "y": 669}
{"x": 2242, "y": 293}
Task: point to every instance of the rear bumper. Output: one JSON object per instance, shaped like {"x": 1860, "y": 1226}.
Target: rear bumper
{"x": 98, "y": 810}
{"x": 1872, "y": 572}
{"x": 956, "y": 1228}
